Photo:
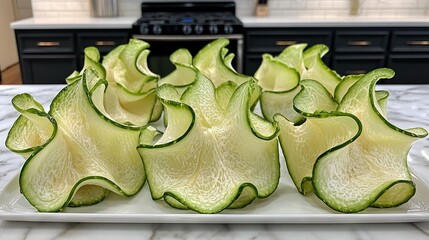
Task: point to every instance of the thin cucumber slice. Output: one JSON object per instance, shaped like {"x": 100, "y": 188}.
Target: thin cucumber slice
{"x": 73, "y": 77}
{"x": 88, "y": 195}
{"x": 207, "y": 155}
{"x": 130, "y": 98}
{"x": 313, "y": 98}
{"x": 174, "y": 203}
{"x": 77, "y": 153}
{"x": 224, "y": 93}
{"x": 210, "y": 62}
{"x": 248, "y": 194}
{"x": 317, "y": 70}
{"x": 142, "y": 66}
{"x": 109, "y": 62}
{"x": 279, "y": 85}
{"x": 382, "y": 97}
{"x": 137, "y": 112}
{"x": 349, "y": 80}
{"x": 32, "y": 129}
{"x": 275, "y": 76}
{"x": 228, "y": 61}
{"x": 126, "y": 72}
{"x": 157, "y": 111}
{"x": 372, "y": 170}
{"x": 322, "y": 130}
{"x": 180, "y": 78}
{"x": 292, "y": 56}
{"x": 184, "y": 74}
{"x": 345, "y": 85}
{"x": 91, "y": 60}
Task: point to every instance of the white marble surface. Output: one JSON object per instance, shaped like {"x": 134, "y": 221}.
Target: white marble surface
{"x": 408, "y": 107}
{"x": 126, "y": 22}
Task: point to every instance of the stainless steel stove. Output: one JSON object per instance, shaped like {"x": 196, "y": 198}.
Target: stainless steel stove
{"x": 188, "y": 18}
{"x": 167, "y": 26}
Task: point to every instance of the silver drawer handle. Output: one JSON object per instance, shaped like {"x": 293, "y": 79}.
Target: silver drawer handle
{"x": 352, "y": 72}
{"x": 286, "y": 43}
{"x": 359, "y": 43}
{"x": 48, "y": 44}
{"x": 105, "y": 43}
{"x": 418, "y": 43}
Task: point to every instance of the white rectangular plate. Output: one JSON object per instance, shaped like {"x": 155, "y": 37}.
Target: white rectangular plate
{"x": 285, "y": 205}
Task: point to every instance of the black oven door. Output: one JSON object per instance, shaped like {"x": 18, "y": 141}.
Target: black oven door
{"x": 162, "y": 46}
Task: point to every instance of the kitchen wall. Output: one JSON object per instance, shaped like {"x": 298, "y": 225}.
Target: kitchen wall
{"x": 8, "y": 52}
{"x": 286, "y": 8}
{"x": 22, "y": 9}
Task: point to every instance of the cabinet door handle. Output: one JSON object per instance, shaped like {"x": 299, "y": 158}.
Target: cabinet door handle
{"x": 359, "y": 43}
{"x": 286, "y": 43}
{"x": 418, "y": 43}
{"x": 104, "y": 43}
{"x": 48, "y": 44}
{"x": 348, "y": 72}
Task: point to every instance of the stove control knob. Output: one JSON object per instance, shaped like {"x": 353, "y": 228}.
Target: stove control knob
{"x": 213, "y": 29}
{"x": 228, "y": 29}
{"x": 157, "y": 29}
{"x": 144, "y": 29}
{"x": 187, "y": 29}
{"x": 199, "y": 29}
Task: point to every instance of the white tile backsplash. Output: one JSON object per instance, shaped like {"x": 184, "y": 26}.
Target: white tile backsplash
{"x": 291, "y": 8}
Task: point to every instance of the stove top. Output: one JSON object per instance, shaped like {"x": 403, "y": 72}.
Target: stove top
{"x": 197, "y": 18}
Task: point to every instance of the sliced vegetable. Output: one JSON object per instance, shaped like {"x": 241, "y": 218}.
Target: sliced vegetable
{"x": 279, "y": 85}
{"x": 214, "y": 62}
{"x": 210, "y": 158}
{"x": 372, "y": 170}
{"x": 317, "y": 70}
{"x": 302, "y": 144}
{"x": 80, "y": 156}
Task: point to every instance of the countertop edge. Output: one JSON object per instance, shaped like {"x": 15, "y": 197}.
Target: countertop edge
{"x": 249, "y": 22}
{"x": 71, "y": 23}
{"x": 255, "y": 22}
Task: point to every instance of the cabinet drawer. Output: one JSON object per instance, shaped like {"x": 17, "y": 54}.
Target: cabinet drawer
{"x": 357, "y": 64}
{"x": 410, "y": 41}
{"x": 275, "y": 41}
{"x": 47, "y": 69}
{"x": 105, "y": 42}
{"x": 38, "y": 42}
{"x": 409, "y": 68}
{"x": 361, "y": 41}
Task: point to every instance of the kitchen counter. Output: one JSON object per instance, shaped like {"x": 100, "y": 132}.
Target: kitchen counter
{"x": 126, "y": 22}
{"x": 75, "y": 23}
{"x": 408, "y": 106}
{"x": 352, "y": 21}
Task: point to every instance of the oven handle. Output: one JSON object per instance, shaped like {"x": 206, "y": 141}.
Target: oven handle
{"x": 240, "y": 55}
{"x": 187, "y": 37}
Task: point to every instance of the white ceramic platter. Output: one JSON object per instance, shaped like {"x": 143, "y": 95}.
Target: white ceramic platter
{"x": 285, "y": 205}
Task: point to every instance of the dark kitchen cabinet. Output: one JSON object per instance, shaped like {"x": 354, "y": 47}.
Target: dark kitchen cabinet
{"x": 353, "y": 50}
{"x": 356, "y": 64}
{"x": 409, "y": 68}
{"x": 49, "y": 56}
{"x": 409, "y": 56}
{"x": 47, "y": 68}
{"x": 359, "y": 51}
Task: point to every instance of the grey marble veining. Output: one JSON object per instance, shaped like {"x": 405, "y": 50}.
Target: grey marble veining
{"x": 408, "y": 107}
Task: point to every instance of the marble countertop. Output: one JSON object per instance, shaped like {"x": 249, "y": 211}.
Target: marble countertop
{"x": 75, "y": 23}
{"x": 408, "y": 106}
{"x": 351, "y": 21}
{"x": 126, "y": 22}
